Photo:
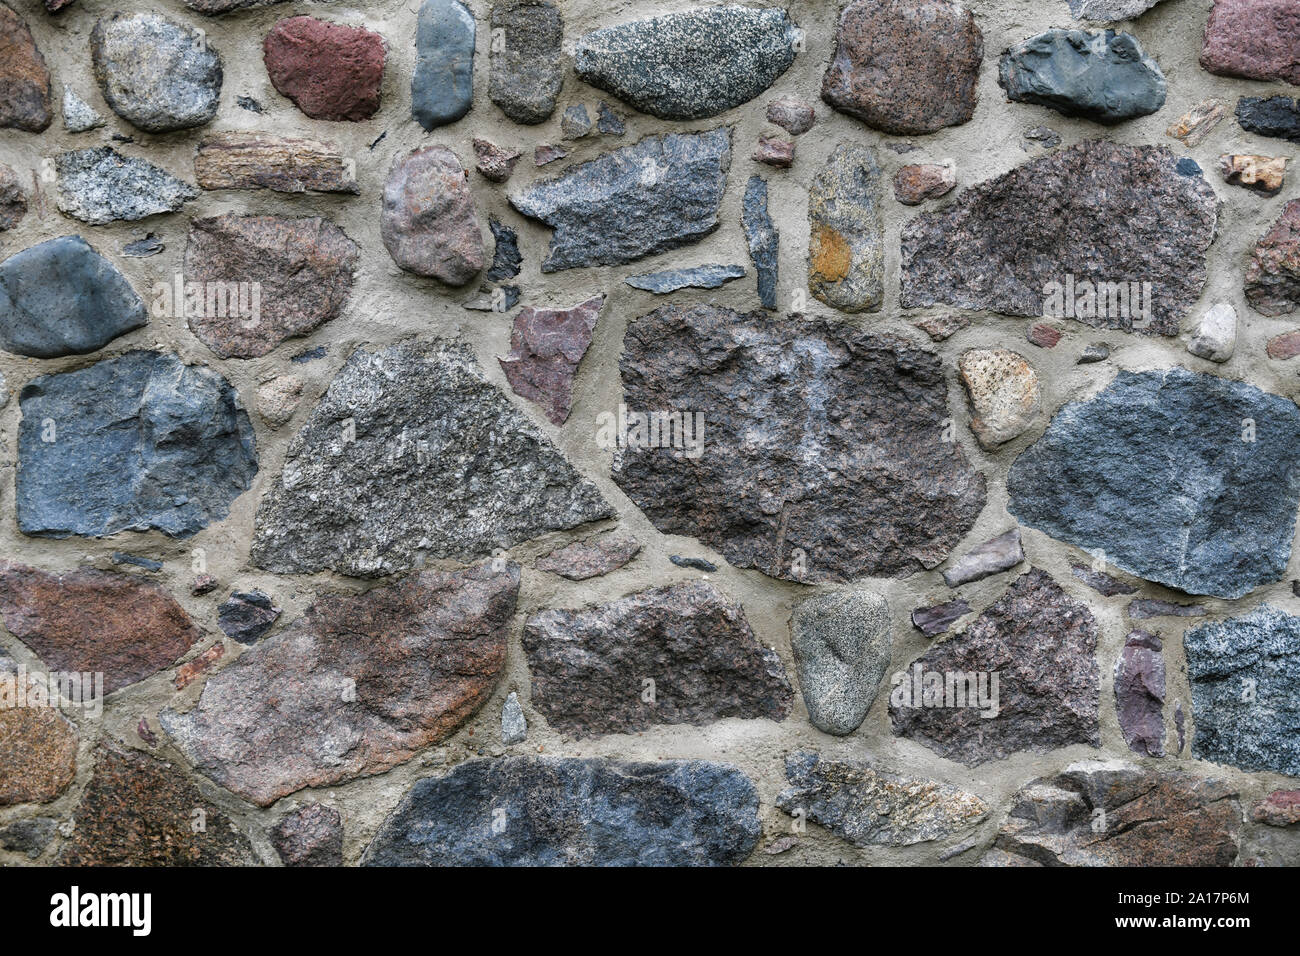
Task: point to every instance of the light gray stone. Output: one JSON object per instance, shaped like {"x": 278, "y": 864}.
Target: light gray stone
{"x": 842, "y": 643}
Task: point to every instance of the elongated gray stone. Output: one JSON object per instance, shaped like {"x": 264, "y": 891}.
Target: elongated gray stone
{"x": 442, "y": 86}
{"x": 842, "y": 643}
{"x": 846, "y": 247}
{"x": 700, "y": 277}
{"x": 63, "y": 298}
{"x": 659, "y": 194}
{"x": 514, "y": 726}
{"x": 474, "y": 473}
{"x": 549, "y": 811}
{"x": 690, "y": 65}
{"x": 992, "y": 557}
{"x": 1183, "y": 479}
{"x": 527, "y": 61}
{"x": 763, "y": 239}
{"x": 137, "y": 442}
{"x": 100, "y": 185}
{"x": 1109, "y": 11}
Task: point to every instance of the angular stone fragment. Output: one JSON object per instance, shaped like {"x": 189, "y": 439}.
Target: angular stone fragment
{"x": 442, "y": 86}
{"x": 1144, "y": 609}
{"x": 1108, "y": 813}
{"x": 1039, "y": 644}
{"x": 1044, "y": 335}
{"x": 1273, "y": 276}
{"x": 933, "y": 621}
{"x": 589, "y": 666}
{"x": 763, "y": 239}
{"x": 1254, "y": 39}
{"x": 1099, "y": 211}
{"x": 1215, "y": 337}
{"x": 28, "y": 836}
{"x": 1154, "y": 472}
{"x": 214, "y": 8}
{"x": 608, "y": 122}
{"x": 1281, "y": 808}
{"x": 846, "y": 246}
{"x": 38, "y": 745}
{"x": 97, "y": 622}
{"x": 1101, "y": 582}
{"x": 576, "y": 122}
{"x": 842, "y": 643}
{"x": 100, "y": 185}
{"x": 377, "y": 677}
{"x": 493, "y": 162}
{"x": 1109, "y": 11}
{"x": 506, "y": 258}
{"x": 941, "y": 327}
{"x": 1243, "y": 673}
{"x": 24, "y": 77}
{"x": 1262, "y": 174}
{"x": 781, "y": 397}
{"x": 139, "y": 811}
{"x": 240, "y": 160}
{"x": 1005, "y": 397}
{"x": 992, "y": 557}
{"x": 591, "y": 558}
{"x": 546, "y": 154}
{"x": 1283, "y": 347}
{"x": 573, "y": 812}
{"x": 546, "y": 346}
{"x": 143, "y": 248}
{"x": 659, "y": 194}
{"x": 78, "y": 115}
{"x": 527, "y": 66}
{"x": 791, "y": 114}
{"x": 63, "y": 298}
{"x": 514, "y": 726}
{"x": 1277, "y": 116}
{"x": 1106, "y": 77}
{"x": 13, "y": 201}
{"x": 475, "y": 474}
{"x": 310, "y": 836}
{"x": 196, "y": 667}
{"x": 1197, "y": 123}
{"x": 774, "y": 151}
{"x": 689, "y": 65}
{"x": 905, "y": 66}
{"x": 1140, "y": 694}
{"x": 869, "y": 807}
{"x": 915, "y": 184}
{"x": 701, "y": 277}
{"x": 330, "y": 71}
{"x": 278, "y": 399}
{"x": 429, "y": 223}
{"x": 141, "y": 441}
{"x": 247, "y": 616}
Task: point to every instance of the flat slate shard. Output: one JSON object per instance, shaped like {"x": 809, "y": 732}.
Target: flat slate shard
{"x": 246, "y": 616}
{"x": 1140, "y": 694}
{"x": 992, "y": 557}
{"x": 63, "y": 298}
{"x": 1101, "y": 582}
{"x": 141, "y": 441}
{"x": 310, "y": 836}
{"x": 249, "y": 160}
{"x": 24, "y": 77}
{"x": 573, "y": 812}
{"x": 1277, "y": 116}
{"x": 763, "y": 240}
{"x": 869, "y": 807}
{"x": 846, "y": 245}
{"x": 429, "y": 223}
{"x": 475, "y": 474}
{"x": 842, "y": 643}
{"x": 589, "y": 666}
{"x": 506, "y": 258}
{"x": 38, "y": 745}
{"x": 1040, "y": 645}
{"x": 1097, "y": 211}
{"x": 1145, "y": 608}
{"x": 779, "y": 398}
{"x": 1243, "y": 673}
{"x": 526, "y": 69}
{"x": 1105, "y": 77}
{"x": 375, "y": 677}
{"x": 905, "y": 66}
{"x": 1273, "y": 275}
{"x": 139, "y": 811}
{"x": 1254, "y": 39}
{"x": 155, "y": 73}
{"x": 935, "y": 620}
{"x": 690, "y": 65}
{"x": 591, "y": 558}
{"x": 1109, "y": 813}
{"x": 1154, "y": 472}
{"x": 442, "y": 86}
{"x": 712, "y": 276}
{"x": 546, "y": 346}
{"x": 661, "y": 193}
{"x": 99, "y": 185}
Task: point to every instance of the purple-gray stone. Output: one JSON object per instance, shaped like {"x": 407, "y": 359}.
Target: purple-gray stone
{"x": 992, "y": 557}
{"x": 1140, "y": 694}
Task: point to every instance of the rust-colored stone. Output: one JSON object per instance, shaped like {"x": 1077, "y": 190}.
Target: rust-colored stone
{"x": 1273, "y": 276}
{"x": 191, "y": 671}
{"x": 1263, "y": 174}
{"x": 38, "y": 747}
{"x": 24, "y": 77}
{"x": 546, "y": 346}
{"x": 330, "y": 71}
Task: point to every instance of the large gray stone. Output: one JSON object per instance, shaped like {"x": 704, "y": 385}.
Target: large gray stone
{"x": 99, "y": 185}
{"x": 1183, "y": 479}
{"x": 842, "y": 643}
{"x": 846, "y": 244}
{"x": 442, "y": 86}
{"x": 527, "y": 61}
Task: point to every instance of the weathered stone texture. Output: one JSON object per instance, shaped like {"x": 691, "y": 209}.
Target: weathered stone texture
{"x": 846, "y": 245}
{"x": 24, "y": 77}
{"x": 842, "y": 642}
{"x": 239, "y": 160}
{"x": 546, "y": 346}
{"x": 329, "y": 70}
{"x": 157, "y": 74}
{"x": 429, "y": 223}
{"x": 1273, "y": 273}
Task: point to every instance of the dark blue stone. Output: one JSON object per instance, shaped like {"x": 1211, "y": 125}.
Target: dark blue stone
{"x": 442, "y": 86}
{"x": 700, "y": 277}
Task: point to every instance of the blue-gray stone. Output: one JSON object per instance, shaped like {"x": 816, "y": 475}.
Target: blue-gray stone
{"x": 1184, "y": 479}
{"x": 63, "y": 298}
{"x": 1104, "y": 77}
{"x": 551, "y": 811}
{"x": 711, "y": 276}
{"x": 137, "y": 442}
{"x": 609, "y": 123}
{"x": 764, "y": 241}
{"x": 658, "y": 194}
{"x": 576, "y": 122}
{"x": 1244, "y": 672}
{"x": 691, "y": 65}
{"x": 442, "y": 86}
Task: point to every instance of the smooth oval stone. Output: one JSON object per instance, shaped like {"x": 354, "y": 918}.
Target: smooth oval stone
{"x": 442, "y": 87}
{"x": 63, "y": 298}
{"x": 429, "y": 224}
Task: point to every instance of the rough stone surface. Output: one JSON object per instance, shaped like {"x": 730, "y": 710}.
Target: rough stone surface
{"x": 1041, "y": 644}
{"x": 63, "y": 298}
{"x": 1145, "y": 608}
{"x": 941, "y": 327}
{"x": 591, "y": 558}
{"x": 377, "y": 678}
{"x": 38, "y": 746}
{"x": 916, "y": 183}
{"x": 475, "y": 474}
{"x": 1255, "y": 39}
{"x": 279, "y": 398}
{"x": 846, "y": 245}
{"x": 546, "y": 154}
{"x": 442, "y": 86}
{"x": 78, "y": 115}
{"x": 992, "y": 557}
{"x": 609, "y": 122}
{"x": 1101, "y": 582}
{"x": 1273, "y": 275}
{"x": 546, "y": 346}
{"x": 1284, "y": 347}
{"x": 935, "y": 620}
{"x": 527, "y": 72}
{"x": 1109, "y": 11}
{"x": 142, "y": 441}
{"x": 1197, "y": 123}
{"x": 13, "y": 200}
{"x": 100, "y": 185}
{"x": 1281, "y": 808}
{"x": 689, "y": 65}
{"x": 246, "y": 616}
{"x": 842, "y": 643}
{"x": 573, "y": 812}
{"x": 1004, "y": 394}
{"x": 589, "y": 666}
{"x": 1277, "y": 116}
{"x": 762, "y": 238}
{"x": 774, "y": 151}
{"x": 712, "y": 276}
{"x": 780, "y": 397}
{"x": 329, "y": 70}
{"x": 1096, "y": 210}
{"x": 240, "y": 160}
{"x": 1044, "y": 335}
{"x": 576, "y": 122}
{"x": 1263, "y": 174}
{"x": 157, "y": 74}
{"x": 869, "y": 807}
{"x": 514, "y": 726}
{"x": 905, "y": 66}
{"x": 1215, "y": 336}
{"x": 24, "y": 77}
{"x": 1154, "y": 471}
{"x": 659, "y": 194}
{"x": 1243, "y": 673}
{"x": 28, "y": 836}
{"x": 310, "y": 836}
{"x": 429, "y": 223}
{"x": 506, "y": 258}
{"x": 1140, "y": 694}
{"x": 493, "y": 162}
{"x": 791, "y": 114}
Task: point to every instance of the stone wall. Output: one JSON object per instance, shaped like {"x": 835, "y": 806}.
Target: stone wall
{"x": 327, "y": 448}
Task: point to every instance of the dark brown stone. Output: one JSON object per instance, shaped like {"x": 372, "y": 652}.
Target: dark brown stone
{"x": 13, "y": 200}
{"x": 1273, "y": 276}
{"x": 330, "y": 71}
{"x": 24, "y": 78}
{"x": 310, "y": 836}
{"x": 38, "y": 746}
{"x": 429, "y": 223}
{"x": 935, "y": 620}
{"x": 1043, "y": 335}
{"x": 285, "y": 164}
{"x": 1140, "y": 694}
{"x": 1255, "y": 39}
{"x": 546, "y": 346}
{"x": 597, "y": 555}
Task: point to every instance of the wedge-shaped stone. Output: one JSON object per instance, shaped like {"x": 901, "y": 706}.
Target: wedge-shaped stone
{"x": 100, "y": 185}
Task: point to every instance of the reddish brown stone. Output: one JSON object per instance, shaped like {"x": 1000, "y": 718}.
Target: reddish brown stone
{"x": 96, "y": 621}
{"x": 1273, "y": 276}
{"x": 1284, "y": 346}
{"x": 261, "y": 161}
{"x": 546, "y": 153}
{"x": 1044, "y": 335}
{"x": 940, "y": 327}
{"x": 774, "y": 151}
{"x": 915, "y": 184}
{"x": 1255, "y": 39}
{"x": 1281, "y": 808}
{"x": 330, "y": 71}
{"x": 597, "y": 555}
{"x": 54, "y": 6}
{"x": 546, "y": 346}
{"x": 310, "y": 836}
{"x": 429, "y": 224}
{"x": 493, "y": 162}
{"x": 191, "y": 671}
{"x": 791, "y": 114}
{"x": 24, "y": 78}
{"x": 13, "y": 201}
{"x": 38, "y": 747}
{"x": 287, "y": 276}
{"x": 1197, "y": 123}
